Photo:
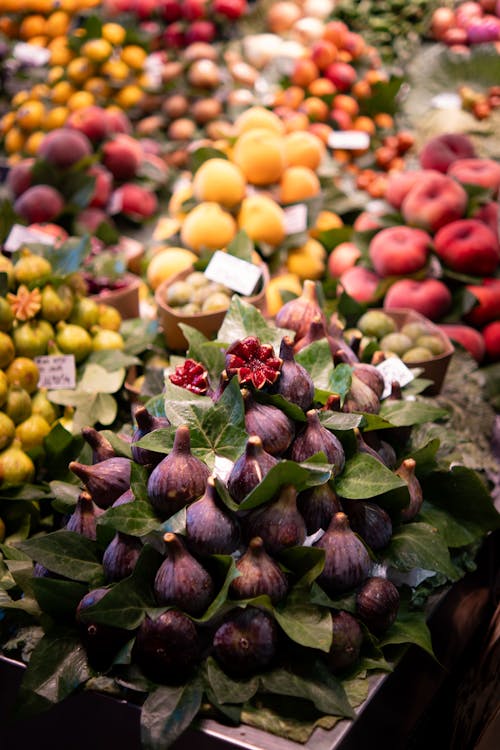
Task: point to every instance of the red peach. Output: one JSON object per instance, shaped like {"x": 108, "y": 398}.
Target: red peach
{"x": 489, "y": 214}
{"x": 468, "y": 337}
{"x": 341, "y": 74}
{"x": 442, "y": 19}
{"x": 117, "y": 121}
{"x": 230, "y": 9}
{"x": 456, "y": 39}
{"x": 360, "y": 283}
{"x": 400, "y": 183}
{"x": 434, "y": 201}
{"x": 39, "y": 203}
{"x": 342, "y": 257}
{"x": 488, "y": 307}
{"x": 323, "y": 53}
{"x": 491, "y": 335}
{"x": 64, "y": 147}
{"x": 122, "y": 156}
{"x": 366, "y": 222}
{"x": 482, "y": 172}
{"x": 134, "y": 201}
{"x": 102, "y": 187}
{"x": 399, "y": 251}
{"x": 91, "y": 121}
{"x": 19, "y": 176}
{"x": 468, "y": 246}
{"x": 89, "y": 220}
{"x": 429, "y": 297}
{"x": 441, "y": 150}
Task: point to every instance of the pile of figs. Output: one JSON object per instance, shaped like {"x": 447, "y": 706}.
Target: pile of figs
{"x": 243, "y": 636}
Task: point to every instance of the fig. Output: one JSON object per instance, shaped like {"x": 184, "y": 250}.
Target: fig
{"x": 179, "y": 478}
{"x": 101, "y": 447}
{"x": 31, "y": 339}
{"x": 7, "y": 430}
{"x": 249, "y": 469}
{"x": 4, "y": 387}
{"x": 370, "y": 521}
{"x": 316, "y": 331}
{"x": 347, "y": 561}
{"x": 101, "y": 642}
{"x": 85, "y": 313}
{"x": 127, "y": 497}
{"x": 294, "y": 384}
{"x": 274, "y": 428}
{"x": 32, "y": 432}
{"x": 31, "y": 269}
{"x": 24, "y": 372}
{"x": 278, "y": 522}
{"x": 314, "y": 438}
{"x": 377, "y": 604}
{"x": 146, "y": 423}
{"x": 16, "y": 467}
{"x": 397, "y": 436}
{"x": 347, "y": 639}
{"x": 246, "y": 642}
{"x": 106, "y": 480}
{"x": 297, "y": 313}
{"x": 384, "y": 450}
{"x": 56, "y": 303}
{"x": 18, "y": 404}
{"x": 168, "y": 647}
{"x": 6, "y": 315}
{"x": 40, "y": 404}
{"x": 120, "y": 556}
{"x": 259, "y": 574}
{"x": 317, "y": 505}
{"x": 73, "y": 339}
{"x": 406, "y": 472}
{"x": 181, "y": 581}
{"x": 210, "y": 529}
{"x": 7, "y": 350}
{"x": 370, "y": 376}
{"x": 361, "y": 398}
{"x": 83, "y": 519}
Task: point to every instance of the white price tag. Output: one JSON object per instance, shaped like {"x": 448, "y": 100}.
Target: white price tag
{"x": 446, "y": 100}
{"x": 56, "y": 371}
{"x": 295, "y": 218}
{"x": 31, "y": 54}
{"x": 392, "y": 369}
{"x": 20, "y": 235}
{"x": 349, "y": 139}
{"x": 236, "y": 274}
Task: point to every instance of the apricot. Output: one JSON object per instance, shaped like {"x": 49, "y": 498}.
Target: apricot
{"x": 260, "y": 154}
{"x": 207, "y": 225}
{"x": 304, "y": 149}
{"x": 221, "y": 181}
{"x": 298, "y": 184}
{"x": 262, "y": 219}
{"x": 258, "y": 117}
{"x": 166, "y": 262}
{"x": 287, "y": 282}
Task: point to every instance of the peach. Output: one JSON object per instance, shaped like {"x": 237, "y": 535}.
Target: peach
{"x": 400, "y": 183}
{"x": 342, "y": 257}
{"x": 482, "y": 172}
{"x": 91, "y": 121}
{"x": 360, "y": 283}
{"x": 260, "y": 154}
{"x": 117, "y": 121}
{"x": 433, "y": 201}
{"x": 89, "y": 220}
{"x": 468, "y": 246}
{"x": 429, "y": 297}
{"x": 399, "y": 251}
{"x": 341, "y": 74}
{"x": 134, "y": 201}
{"x": 39, "y": 203}
{"x": 469, "y": 338}
{"x": 64, "y": 147}
{"x": 19, "y": 176}
{"x": 102, "y": 187}
{"x": 491, "y": 336}
{"x": 487, "y": 308}
{"x": 367, "y": 222}
{"x": 442, "y": 150}
{"x": 489, "y": 214}
{"x": 122, "y": 156}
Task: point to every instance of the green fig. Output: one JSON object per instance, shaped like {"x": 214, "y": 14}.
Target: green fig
{"x": 57, "y": 304}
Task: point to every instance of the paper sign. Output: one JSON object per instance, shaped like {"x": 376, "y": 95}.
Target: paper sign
{"x": 20, "y": 235}
{"x": 446, "y": 100}
{"x": 56, "y": 371}
{"x": 295, "y": 218}
{"x": 236, "y": 274}
{"x": 349, "y": 139}
{"x": 31, "y": 54}
{"x": 392, "y": 369}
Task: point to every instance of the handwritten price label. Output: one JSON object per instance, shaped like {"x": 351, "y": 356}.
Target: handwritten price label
{"x": 56, "y": 371}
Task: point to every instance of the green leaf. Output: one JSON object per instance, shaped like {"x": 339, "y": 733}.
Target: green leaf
{"x": 243, "y": 319}
{"x": 364, "y": 477}
{"x": 97, "y": 378}
{"x": 136, "y": 518}
{"x": 26, "y": 604}
{"x": 340, "y": 380}
{"x": 65, "y": 495}
{"x": 241, "y": 246}
{"x": 287, "y": 407}
{"x": 58, "y": 598}
{"x": 227, "y": 689}
{"x": 463, "y": 494}
{"x": 112, "y": 360}
{"x": 69, "y": 256}
{"x": 317, "y": 359}
{"x": 57, "y": 668}
{"x": 228, "y": 571}
{"x": 208, "y": 353}
{"x": 315, "y": 684}
{"x": 338, "y": 420}
{"x": 406, "y": 413}
{"x": 167, "y": 712}
{"x": 418, "y": 545}
{"x": 333, "y": 237}
{"x": 305, "y": 562}
{"x": 454, "y": 533}
{"x": 306, "y": 624}
{"x": 409, "y": 627}
{"x": 66, "y": 553}
{"x": 302, "y": 476}
{"x": 203, "y": 154}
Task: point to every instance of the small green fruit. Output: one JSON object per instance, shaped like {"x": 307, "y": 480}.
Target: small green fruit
{"x": 104, "y": 339}
{"x": 24, "y": 372}
{"x": 434, "y": 343}
{"x": 73, "y": 339}
{"x": 7, "y": 350}
{"x": 41, "y": 405}
{"x": 56, "y": 303}
{"x": 18, "y": 404}
{"x": 32, "y": 431}
{"x": 376, "y": 323}
{"x": 31, "y": 268}
{"x": 16, "y": 467}
{"x": 417, "y": 354}
{"x": 7, "y": 430}
{"x": 396, "y": 342}
{"x": 85, "y": 313}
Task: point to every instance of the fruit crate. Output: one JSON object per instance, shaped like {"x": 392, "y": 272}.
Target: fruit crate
{"x": 398, "y": 705}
